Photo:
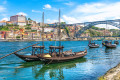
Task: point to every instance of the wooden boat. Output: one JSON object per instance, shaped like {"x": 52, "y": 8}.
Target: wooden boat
{"x": 61, "y": 57}
{"x": 106, "y": 42}
{"x": 116, "y": 42}
{"x": 28, "y": 58}
{"x": 93, "y": 45}
{"x": 39, "y": 57}
{"x": 32, "y": 57}
{"x": 110, "y": 46}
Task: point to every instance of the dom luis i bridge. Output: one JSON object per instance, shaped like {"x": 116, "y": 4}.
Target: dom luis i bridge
{"x": 88, "y": 25}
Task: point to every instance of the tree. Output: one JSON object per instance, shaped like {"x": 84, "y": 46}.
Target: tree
{"x": 29, "y": 19}
{"x": 4, "y": 28}
{"x": 28, "y": 25}
{"x": 17, "y": 37}
{"x": 67, "y": 31}
{"x": 33, "y": 30}
{"x": 96, "y": 28}
{"x": 28, "y": 28}
{"x": 63, "y": 22}
{"x": 102, "y": 28}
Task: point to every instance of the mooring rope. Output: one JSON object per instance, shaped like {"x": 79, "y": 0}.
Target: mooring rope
{"x": 17, "y": 51}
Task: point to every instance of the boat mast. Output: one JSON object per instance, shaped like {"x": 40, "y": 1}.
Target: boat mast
{"x": 43, "y": 29}
{"x": 59, "y": 31}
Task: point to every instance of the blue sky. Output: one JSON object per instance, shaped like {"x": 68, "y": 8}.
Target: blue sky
{"x": 72, "y": 11}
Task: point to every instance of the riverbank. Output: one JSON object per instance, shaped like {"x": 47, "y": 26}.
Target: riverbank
{"x": 112, "y": 74}
{"x": 67, "y": 39}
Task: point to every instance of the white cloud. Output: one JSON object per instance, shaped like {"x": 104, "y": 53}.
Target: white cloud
{"x": 70, "y": 19}
{"x": 2, "y": 9}
{"x": 36, "y": 11}
{"x": 108, "y": 26}
{"x": 22, "y": 13}
{"x": 6, "y": 19}
{"x": 93, "y": 12}
{"x": 3, "y": 13}
{"x": 69, "y": 3}
{"x": 53, "y": 21}
{"x": 47, "y": 6}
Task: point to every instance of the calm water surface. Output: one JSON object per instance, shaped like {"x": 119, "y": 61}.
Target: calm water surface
{"x": 92, "y": 66}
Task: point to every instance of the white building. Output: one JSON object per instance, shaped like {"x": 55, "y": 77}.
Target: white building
{"x": 47, "y": 29}
{"x": 32, "y": 23}
{"x": 3, "y": 23}
{"x": 18, "y": 20}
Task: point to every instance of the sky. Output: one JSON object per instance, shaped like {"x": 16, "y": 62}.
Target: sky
{"x": 72, "y": 11}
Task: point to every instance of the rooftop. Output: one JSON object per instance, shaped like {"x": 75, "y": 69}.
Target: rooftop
{"x": 2, "y": 21}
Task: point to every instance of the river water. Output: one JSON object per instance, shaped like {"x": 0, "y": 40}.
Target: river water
{"x": 93, "y": 65}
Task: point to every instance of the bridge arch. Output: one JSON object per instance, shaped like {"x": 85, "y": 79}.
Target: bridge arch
{"x": 88, "y": 25}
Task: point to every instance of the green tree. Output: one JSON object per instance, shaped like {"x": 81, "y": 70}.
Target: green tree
{"x": 67, "y": 31}
{"x": 4, "y": 28}
{"x": 29, "y": 19}
{"x": 96, "y": 28}
{"x": 63, "y": 22}
{"x": 33, "y": 30}
{"x": 102, "y": 28}
{"x": 28, "y": 28}
{"x": 17, "y": 37}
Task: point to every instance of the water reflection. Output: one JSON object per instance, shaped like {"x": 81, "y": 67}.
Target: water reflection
{"x": 52, "y": 71}
{"x": 109, "y": 50}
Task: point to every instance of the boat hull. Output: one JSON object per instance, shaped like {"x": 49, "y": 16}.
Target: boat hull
{"x": 110, "y": 46}
{"x": 93, "y": 46}
{"x": 63, "y": 59}
{"x": 116, "y": 42}
{"x": 29, "y": 58}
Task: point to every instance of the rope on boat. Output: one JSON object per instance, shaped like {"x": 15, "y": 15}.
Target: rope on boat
{"x": 17, "y": 51}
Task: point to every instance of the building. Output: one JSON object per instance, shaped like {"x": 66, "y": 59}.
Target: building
{"x": 18, "y": 20}
{"x": 41, "y": 24}
{"x": 3, "y": 23}
{"x": 8, "y": 22}
{"x": 32, "y": 23}
{"x": 47, "y": 29}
